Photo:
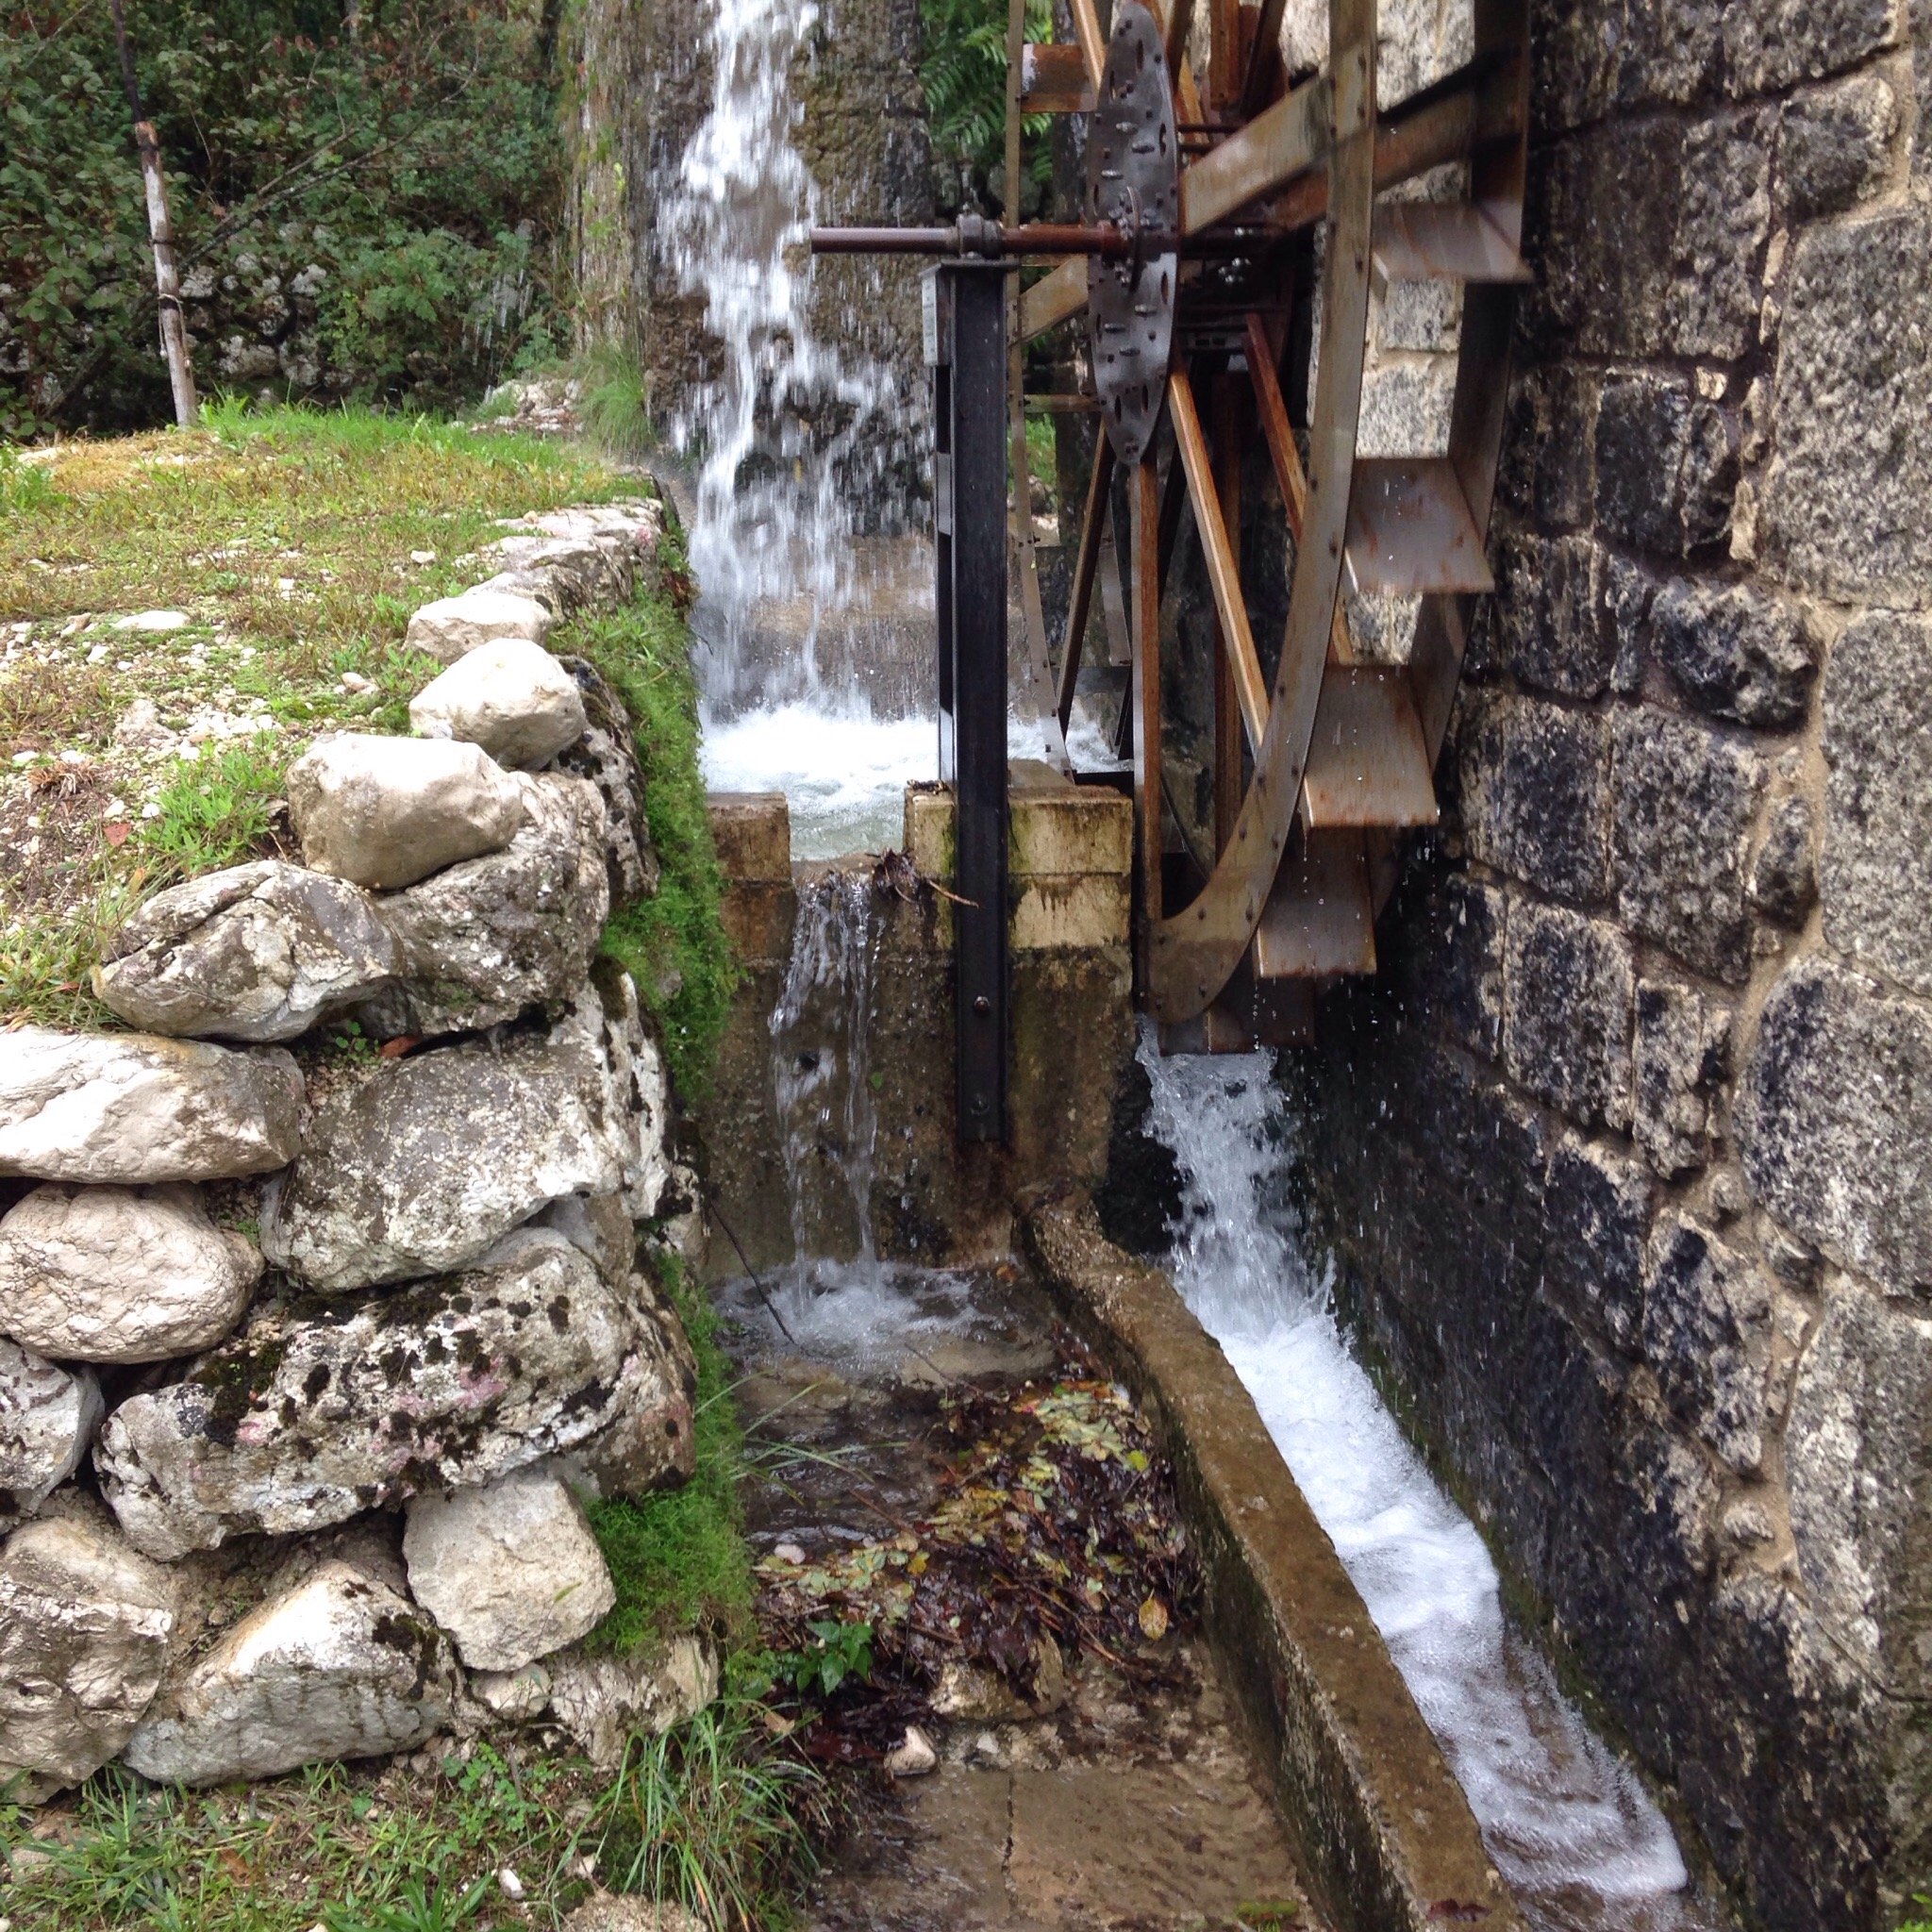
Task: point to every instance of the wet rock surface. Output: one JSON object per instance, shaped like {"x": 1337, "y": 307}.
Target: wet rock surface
{"x": 425, "y": 1163}
{"x": 339, "y": 1666}
{"x": 297, "y": 1421}
{"x": 1119, "y": 1798}
{"x": 257, "y": 952}
{"x": 85, "y": 1625}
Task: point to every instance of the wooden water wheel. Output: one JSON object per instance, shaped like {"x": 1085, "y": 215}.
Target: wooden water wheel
{"x": 1182, "y": 274}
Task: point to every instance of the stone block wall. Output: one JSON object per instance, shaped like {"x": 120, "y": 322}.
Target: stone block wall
{"x": 1623, "y": 1159}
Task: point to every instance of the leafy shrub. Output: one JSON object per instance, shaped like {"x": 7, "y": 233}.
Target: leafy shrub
{"x": 366, "y": 214}
{"x": 963, "y": 73}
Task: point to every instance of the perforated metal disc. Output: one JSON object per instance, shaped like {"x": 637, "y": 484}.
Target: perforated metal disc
{"x": 1133, "y": 181}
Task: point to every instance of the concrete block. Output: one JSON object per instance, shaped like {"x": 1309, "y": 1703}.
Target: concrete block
{"x": 752, "y": 831}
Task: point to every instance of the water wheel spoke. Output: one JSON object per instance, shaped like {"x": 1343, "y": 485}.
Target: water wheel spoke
{"x": 1086, "y": 562}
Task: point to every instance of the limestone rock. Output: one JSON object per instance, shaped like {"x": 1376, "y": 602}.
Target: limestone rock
{"x": 137, "y": 1110}
{"x": 607, "y": 755}
{"x": 1706, "y": 1333}
{"x": 576, "y": 559}
{"x": 914, "y": 1755}
{"x": 1685, "y": 802}
{"x": 622, "y": 1912}
{"x": 48, "y": 1416}
{"x": 108, "y": 1275}
{"x": 511, "y": 697}
{"x": 599, "y": 1226}
{"x": 388, "y": 811}
{"x": 1735, "y": 651}
{"x": 257, "y": 952}
{"x": 318, "y": 1410}
{"x": 85, "y": 1626}
{"x": 430, "y": 1159}
{"x": 510, "y": 1569}
{"x": 651, "y": 1445}
{"x": 1834, "y": 1120}
{"x": 452, "y": 627}
{"x": 514, "y": 1696}
{"x": 484, "y": 939}
{"x": 1874, "y": 876}
{"x": 600, "y": 1699}
{"x": 341, "y": 1667}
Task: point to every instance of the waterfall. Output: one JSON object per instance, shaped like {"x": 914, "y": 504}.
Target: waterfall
{"x": 1568, "y": 1823}
{"x": 792, "y": 436}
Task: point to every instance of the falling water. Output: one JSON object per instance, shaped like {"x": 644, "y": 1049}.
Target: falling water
{"x": 1568, "y": 1825}
{"x": 794, "y": 439}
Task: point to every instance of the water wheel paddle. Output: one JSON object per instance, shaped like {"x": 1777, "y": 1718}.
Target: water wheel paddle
{"x": 1183, "y": 272}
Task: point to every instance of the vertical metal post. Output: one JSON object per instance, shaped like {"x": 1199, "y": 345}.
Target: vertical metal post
{"x": 969, "y": 308}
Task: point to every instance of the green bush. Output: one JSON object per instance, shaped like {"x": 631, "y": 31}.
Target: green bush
{"x": 415, "y": 164}
{"x": 963, "y": 74}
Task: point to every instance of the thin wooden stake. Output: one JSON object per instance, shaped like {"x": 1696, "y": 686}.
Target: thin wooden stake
{"x": 166, "y": 283}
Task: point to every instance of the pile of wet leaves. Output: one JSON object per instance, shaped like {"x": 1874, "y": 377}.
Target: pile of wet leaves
{"x": 1056, "y": 1534}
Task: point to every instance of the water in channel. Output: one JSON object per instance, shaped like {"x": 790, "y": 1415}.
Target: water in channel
{"x": 1568, "y": 1826}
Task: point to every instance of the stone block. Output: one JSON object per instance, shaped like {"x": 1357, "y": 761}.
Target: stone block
{"x": 1856, "y": 1448}
{"x": 1774, "y": 42}
{"x": 1666, "y": 465}
{"x": 1583, "y": 66}
{"x": 1598, "y": 1208}
{"x": 1874, "y": 875}
{"x": 1534, "y": 788}
{"x": 1549, "y": 454}
{"x": 1843, "y": 501}
{"x": 1550, "y": 620}
{"x": 1686, "y": 802}
{"x": 1833, "y": 1116}
{"x": 1566, "y": 1016}
{"x": 1678, "y": 1061}
{"x": 1735, "y": 651}
{"x": 1783, "y": 869}
{"x": 1707, "y": 1335}
{"x": 752, "y": 832}
{"x": 1450, "y": 961}
{"x": 757, "y": 920}
{"x": 1834, "y": 144}
{"x": 1652, "y": 233}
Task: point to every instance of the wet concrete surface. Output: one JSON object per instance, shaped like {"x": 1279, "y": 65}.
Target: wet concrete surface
{"x": 1133, "y": 1804}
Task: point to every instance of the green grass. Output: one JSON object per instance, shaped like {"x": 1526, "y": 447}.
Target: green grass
{"x": 673, "y": 944}
{"x": 678, "y": 1560}
{"x": 615, "y": 402}
{"x": 215, "y": 811}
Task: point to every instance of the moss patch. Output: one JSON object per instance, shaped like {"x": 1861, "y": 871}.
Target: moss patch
{"x": 678, "y": 1560}
{"x": 673, "y": 944}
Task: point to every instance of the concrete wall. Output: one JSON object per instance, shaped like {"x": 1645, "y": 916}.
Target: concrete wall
{"x": 1626, "y": 1161}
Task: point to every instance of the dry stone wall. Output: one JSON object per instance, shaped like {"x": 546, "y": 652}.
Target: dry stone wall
{"x": 1624, "y": 1158}
{"x": 309, "y": 1362}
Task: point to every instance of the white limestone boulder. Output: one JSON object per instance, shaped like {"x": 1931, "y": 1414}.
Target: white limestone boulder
{"x": 482, "y": 940}
{"x": 316, "y": 1411}
{"x": 510, "y": 1569}
{"x": 430, "y": 1159}
{"x": 115, "y": 1275}
{"x": 134, "y": 1109}
{"x": 452, "y": 627}
{"x": 511, "y": 697}
{"x": 85, "y": 1626}
{"x": 257, "y": 952}
{"x": 602, "y": 1700}
{"x": 48, "y": 1417}
{"x": 388, "y": 811}
{"x": 606, "y": 756}
{"x": 339, "y": 1666}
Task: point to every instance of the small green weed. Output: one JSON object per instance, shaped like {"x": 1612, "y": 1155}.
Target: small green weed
{"x": 839, "y": 1651}
{"x": 215, "y": 811}
{"x": 673, "y": 944}
{"x": 23, "y": 487}
{"x": 418, "y": 1909}
{"x": 713, "y": 1816}
{"x": 1924, "y": 1925}
{"x": 677, "y": 1560}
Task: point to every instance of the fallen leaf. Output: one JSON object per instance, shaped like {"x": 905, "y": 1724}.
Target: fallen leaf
{"x": 1153, "y": 1619}
{"x": 117, "y": 833}
{"x": 394, "y": 1049}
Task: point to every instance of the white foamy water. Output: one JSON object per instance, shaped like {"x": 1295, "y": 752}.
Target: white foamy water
{"x": 1569, "y": 1824}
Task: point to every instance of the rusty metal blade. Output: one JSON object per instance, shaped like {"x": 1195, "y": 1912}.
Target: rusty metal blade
{"x": 1053, "y": 79}
{"x": 1422, "y": 241}
{"x": 1320, "y": 920}
{"x": 1367, "y": 762}
{"x": 1411, "y": 530}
